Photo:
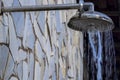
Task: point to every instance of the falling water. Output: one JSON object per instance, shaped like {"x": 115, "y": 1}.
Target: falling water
{"x": 97, "y": 54}
{"x": 100, "y": 56}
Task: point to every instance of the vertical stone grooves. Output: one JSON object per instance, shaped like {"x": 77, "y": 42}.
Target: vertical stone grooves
{"x": 59, "y": 70}
{"x": 34, "y": 65}
{"x": 49, "y": 34}
{"x": 38, "y": 36}
{"x": 30, "y": 14}
{"x": 56, "y": 72}
{"x": 34, "y": 52}
{"x": 34, "y": 34}
{"x": 41, "y": 21}
{"x": 11, "y": 54}
{"x": 40, "y": 29}
{"x": 19, "y": 3}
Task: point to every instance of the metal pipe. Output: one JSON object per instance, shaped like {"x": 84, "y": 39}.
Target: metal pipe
{"x": 81, "y": 2}
{"x": 91, "y": 6}
{"x": 43, "y": 7}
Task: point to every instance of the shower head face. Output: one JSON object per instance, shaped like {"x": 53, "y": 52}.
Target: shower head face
{"x": 91, "y": 21}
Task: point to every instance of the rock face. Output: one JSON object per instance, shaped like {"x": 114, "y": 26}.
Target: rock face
{"x": 39, "y": 45}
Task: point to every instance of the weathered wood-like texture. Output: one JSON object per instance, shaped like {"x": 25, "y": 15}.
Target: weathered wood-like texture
{"x": 39, "y": 45}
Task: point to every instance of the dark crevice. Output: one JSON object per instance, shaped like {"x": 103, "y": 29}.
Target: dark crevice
{"x": 48, "y": 30}
{"x": 13, "y": 76}
{"x": 77, "y": 1}
{"x": 40, "y": 28}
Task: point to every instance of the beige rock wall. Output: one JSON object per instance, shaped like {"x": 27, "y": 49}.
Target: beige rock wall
{"x": 39, "y": 45}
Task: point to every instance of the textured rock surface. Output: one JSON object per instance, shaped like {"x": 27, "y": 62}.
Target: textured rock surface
{"x": 39, "y": 45}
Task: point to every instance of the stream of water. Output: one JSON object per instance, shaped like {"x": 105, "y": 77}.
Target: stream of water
{"x": 100, "y": 56}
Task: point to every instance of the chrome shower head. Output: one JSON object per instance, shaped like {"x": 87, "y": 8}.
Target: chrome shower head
{"x": 91, "y": 21}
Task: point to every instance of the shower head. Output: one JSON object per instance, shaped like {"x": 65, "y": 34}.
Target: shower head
{"x": 91, "y": 21}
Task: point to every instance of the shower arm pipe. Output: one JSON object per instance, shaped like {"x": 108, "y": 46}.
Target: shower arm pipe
{"x": 81, "y": 2}
{"x": 87, "y": 5}
{"x": 90, "y": 7}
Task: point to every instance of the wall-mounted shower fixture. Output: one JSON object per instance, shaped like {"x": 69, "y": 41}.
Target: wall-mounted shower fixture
{"x": 86, "y": 19}
{"x": 90, "y": 20}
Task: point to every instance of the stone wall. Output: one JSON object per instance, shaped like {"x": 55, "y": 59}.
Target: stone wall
{"x": 39, "y": 45}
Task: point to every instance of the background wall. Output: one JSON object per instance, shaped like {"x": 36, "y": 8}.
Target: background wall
{"x": 38, "y": 45}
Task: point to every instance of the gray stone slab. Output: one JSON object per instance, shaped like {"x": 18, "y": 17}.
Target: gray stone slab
{"x": 13, "y": 43}
{"x": 58, "y": 22}
{"x": 29, "y": 37}
{"x": 13, "y": 78}
{"x": 4, "y": 29}
{"x": 27, "y": 2}
{"x": 25, "y": 71}
{"x": 19, "y": 70}
{"x": 7, "y": 3}
{"x": 4, "y": 53}
{"x": 31, "y": 66}
{"x": 9, "y": 68}
{"x": 18, "y": 19}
